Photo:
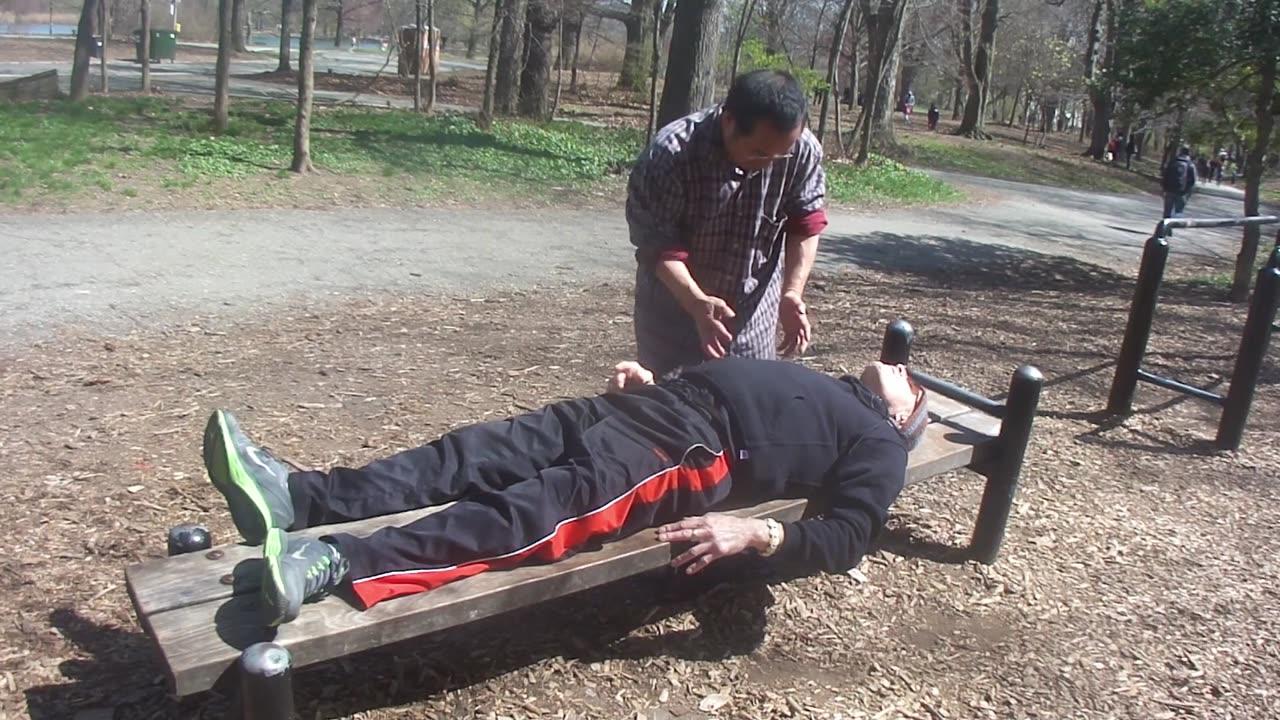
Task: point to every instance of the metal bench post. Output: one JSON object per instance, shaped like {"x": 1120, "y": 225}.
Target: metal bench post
{"x": 266, "y": 682}
{"x": 1002, "y": 478}
{"x": 896, "y": 348}
{"x": 189, "y": 538}
{"x": 1253, "y": 347}
{"x": 1138, "y": 331}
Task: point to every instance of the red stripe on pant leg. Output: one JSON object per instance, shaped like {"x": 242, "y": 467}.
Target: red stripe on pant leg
{"x": 568, "y": 535}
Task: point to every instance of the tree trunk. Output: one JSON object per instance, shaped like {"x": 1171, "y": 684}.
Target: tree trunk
{"x": 431, "y": 54}
{"x": 957, "y": 100}
{"x": 833, "y": 63}
{"x": 83, "y": 57}
{"x": 691, "y": 68}
{"x": 817, "y": 38}
{"x": 561, "y": 60}
{"x": 339, "y": 14}
{"x": 237, "y": 26}
{"x": 222, "y": 69}
{"x": 473, "y": 33}
{"x": 487, "y": 101}
{"x": 1013, "y": 109}
{"x": 773, "y": 13}
{"x": 744, "y": 22}
{"x": 635, "y": 63}
{"x": 978, "y": 75}
{"x": 884, "y": 26}
{"x": 306, "y": 89}
{"x": 286, "y": 42}
{"x": 144, "y": 10}
{"x": 653, "y": 73}
{"x": 1264, "y": 117}
{"x": 104, "y": 29}
{"x": 417, "y": 51}
{"x": 570, "y": 32}
{"x": 577, "y": 51}
{"x": 507, "y": 84}
{"x": 1099, "y": 54}
{"x": 539, "y": 34}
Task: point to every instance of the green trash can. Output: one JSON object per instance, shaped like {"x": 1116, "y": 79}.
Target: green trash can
{"x": 164, "y": 45}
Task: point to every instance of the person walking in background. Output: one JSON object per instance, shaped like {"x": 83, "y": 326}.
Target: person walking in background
{"x": 1177, "y": 181}
{"x": 934, "y": 116}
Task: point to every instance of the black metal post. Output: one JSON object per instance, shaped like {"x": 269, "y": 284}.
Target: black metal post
{"x": 1002, "y": 478}
{"x": 1253, "y": 347}
{"x": 189, "y": 538}
{"x": 896, "y": 348}
{"x": 1142, "y": 313}
{"x": 266, "y": 682}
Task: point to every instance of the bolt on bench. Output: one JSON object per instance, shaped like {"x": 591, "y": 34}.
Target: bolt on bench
{"x": 201, "y": 609}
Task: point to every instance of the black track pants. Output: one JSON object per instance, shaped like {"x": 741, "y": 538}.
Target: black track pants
{"x": 530, "y": 488}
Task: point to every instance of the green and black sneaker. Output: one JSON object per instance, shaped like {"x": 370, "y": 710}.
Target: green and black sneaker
{"x": 296, "y": 570}
{"x": 254, "y": 482}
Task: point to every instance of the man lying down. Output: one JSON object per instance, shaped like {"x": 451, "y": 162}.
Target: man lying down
{"x": 538, "y": 486}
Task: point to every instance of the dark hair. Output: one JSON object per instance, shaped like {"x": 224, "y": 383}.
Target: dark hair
{"x": 771, "y": 95}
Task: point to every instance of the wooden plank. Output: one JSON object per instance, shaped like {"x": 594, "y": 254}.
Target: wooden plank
{"x": 166, "y": 584}
{"x": 199, "y": 641}
{"x": 41, "y": 86}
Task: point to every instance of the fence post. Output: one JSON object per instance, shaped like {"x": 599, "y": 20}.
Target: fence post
{"x": 896, "y": 348}
{"x": 1253, "y": 348}
{"x": 266, "y": 682}
{"x": 1002, "y": 478}
{"x": 1137, "y": 332}
{"x": 188, "y": 538}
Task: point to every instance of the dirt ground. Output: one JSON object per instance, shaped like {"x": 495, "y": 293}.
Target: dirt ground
{"x": 595, "y": 99}
{"x": 1139, "y": 578}
{"x": 22, "y": 50}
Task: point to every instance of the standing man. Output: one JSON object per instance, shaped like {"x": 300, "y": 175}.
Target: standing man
{"x": 725, "y": 208}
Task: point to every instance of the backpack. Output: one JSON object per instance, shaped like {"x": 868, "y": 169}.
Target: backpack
{"x": 1177, "y": 175}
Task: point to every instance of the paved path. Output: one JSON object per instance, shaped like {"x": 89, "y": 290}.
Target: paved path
{"x": 128, "y": 270}
{"x": 197, "y": 77}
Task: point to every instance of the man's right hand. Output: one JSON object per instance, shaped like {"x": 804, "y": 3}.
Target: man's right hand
{"x": 709, "y": 313}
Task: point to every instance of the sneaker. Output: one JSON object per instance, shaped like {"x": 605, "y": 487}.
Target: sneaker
{"x": 255, "y": 483}
{"x": 296, "y": 570}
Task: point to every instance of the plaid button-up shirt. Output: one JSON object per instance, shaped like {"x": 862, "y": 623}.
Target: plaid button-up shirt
{"x": 687, "y": 200}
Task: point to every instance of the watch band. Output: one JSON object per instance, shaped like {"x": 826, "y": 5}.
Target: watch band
{"x": 775, "y": 537}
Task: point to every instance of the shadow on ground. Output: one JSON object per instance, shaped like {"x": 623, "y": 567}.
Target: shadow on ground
{"x": 121, "y": 675}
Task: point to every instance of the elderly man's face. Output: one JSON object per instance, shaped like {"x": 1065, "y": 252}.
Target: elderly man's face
{"x": 759, "y": 148}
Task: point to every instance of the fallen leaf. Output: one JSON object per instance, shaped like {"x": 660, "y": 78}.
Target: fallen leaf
{"x": 713, "y": 702}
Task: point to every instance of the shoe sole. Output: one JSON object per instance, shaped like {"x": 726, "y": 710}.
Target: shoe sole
{"x": 249, "y": 509}
{"x": 272, "y": 579}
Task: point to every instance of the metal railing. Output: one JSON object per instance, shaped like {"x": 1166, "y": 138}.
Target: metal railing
{"x": 1253, "y": 343}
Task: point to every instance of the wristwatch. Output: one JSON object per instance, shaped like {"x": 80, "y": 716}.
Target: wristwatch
{"x": 775, "y": 537}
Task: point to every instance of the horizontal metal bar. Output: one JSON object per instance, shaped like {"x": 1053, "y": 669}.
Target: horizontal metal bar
{"x": 1174, "y": 223}
{"x": 1185, "y": 389}
{"x": 959, "y": 394}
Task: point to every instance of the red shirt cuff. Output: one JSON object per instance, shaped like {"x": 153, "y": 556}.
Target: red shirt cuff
{"x": 681, "y": 255}
{"x": 809, "y": 224}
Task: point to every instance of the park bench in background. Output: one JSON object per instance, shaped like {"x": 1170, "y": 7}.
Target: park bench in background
{"x": 201, "y": 607}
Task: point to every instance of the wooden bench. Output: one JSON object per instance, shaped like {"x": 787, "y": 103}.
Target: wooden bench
{"x": 201, "y": 608}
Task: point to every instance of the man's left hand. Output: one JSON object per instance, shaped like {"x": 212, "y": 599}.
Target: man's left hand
{"x": 715, "y": 536}
{"x": 793, "y": 315}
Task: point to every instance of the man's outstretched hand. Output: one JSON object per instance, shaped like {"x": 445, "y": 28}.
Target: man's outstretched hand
{"x": 794, "y": 318}
{"x": 628, "y": 374}
{"x": 715, "y": 536}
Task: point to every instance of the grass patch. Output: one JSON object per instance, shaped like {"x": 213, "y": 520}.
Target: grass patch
{"x": 57, "y": 149}
{"x": 884, "y": 179}
{"x": 1004, "y": 161}
{"x": 61, "y": 146}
